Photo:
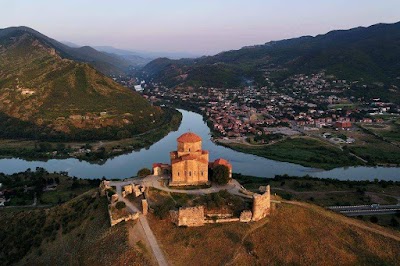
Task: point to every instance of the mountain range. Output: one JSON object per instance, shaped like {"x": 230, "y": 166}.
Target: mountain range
{"x": 366, "y": 54}
{"x": 46, "y": 91}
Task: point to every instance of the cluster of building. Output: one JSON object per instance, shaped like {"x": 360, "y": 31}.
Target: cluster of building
{"x": 301, "y": 101}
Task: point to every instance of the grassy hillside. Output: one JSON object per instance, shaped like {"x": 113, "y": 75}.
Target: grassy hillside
{"x": 294, "y": 235}
{"x": 43, "y": 94}
{"x": 75, "y": 233}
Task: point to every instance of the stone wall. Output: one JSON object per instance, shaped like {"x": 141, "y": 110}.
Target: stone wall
{"x": 114, "y": 198}
{"x": 261, "y": 205}
{"x": 145, "y": 206}
{"x": 104, "y": 185}
{"x": 128, "y": 189}
{"x": 190, "y": 216}
{"x": 129, "y": 217}
{"x": 245, "y": 216}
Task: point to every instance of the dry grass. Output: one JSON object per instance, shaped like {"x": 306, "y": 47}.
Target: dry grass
{"x": 294, "y": 235}
{"x": 93, "y": 242}
{"x": 208, "y": 245}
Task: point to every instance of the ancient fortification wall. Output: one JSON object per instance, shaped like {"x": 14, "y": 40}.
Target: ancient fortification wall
{"x": 104, "y": 185}
{"x": 261, "y": 205}
{"x": 191, "y": 216}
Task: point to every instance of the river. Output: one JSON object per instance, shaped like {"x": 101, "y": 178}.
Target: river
{"x": 127, "y": 165}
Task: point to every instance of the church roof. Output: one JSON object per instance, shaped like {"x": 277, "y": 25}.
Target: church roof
{"x": 189, "y": 137}
{"x": 221, "y": 161}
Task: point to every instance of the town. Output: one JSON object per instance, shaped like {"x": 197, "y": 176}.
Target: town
{"x": 302, "y": 102}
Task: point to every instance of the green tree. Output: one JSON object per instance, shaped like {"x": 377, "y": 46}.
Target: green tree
{"x": 144, "y": 172}
{"x": 120, "y": 205}
{"x": 220, "y": 174}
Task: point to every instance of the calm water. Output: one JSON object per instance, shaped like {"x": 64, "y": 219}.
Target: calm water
{"x": 127, "y": 165}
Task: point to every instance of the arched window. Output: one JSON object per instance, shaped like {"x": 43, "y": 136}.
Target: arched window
{"x": 178, "y": 173}
{"x": 189, "y": 149}
{"x": 202, "y": 173}
{"x": 190, "y": 173}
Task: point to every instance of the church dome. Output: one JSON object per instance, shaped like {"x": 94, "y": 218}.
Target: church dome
{"x": 189, "y": 137}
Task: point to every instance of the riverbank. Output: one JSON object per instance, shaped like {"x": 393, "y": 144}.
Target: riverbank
{"x": 127, "y": 165}
{"x": 305, "y": 151}
{"x": 94, "y": 152}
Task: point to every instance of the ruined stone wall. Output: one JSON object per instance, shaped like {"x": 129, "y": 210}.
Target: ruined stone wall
{"x": 245, "y": 216}
{"x": 261, "y": 205}
{"x": 104, "y": 185}
{"x": 128, "y": 189}
{"x": 126, "y": 218}
{"x": 190, "y": 216}
{"x": 145, "y": 206}
{"x": 114, "y": 198}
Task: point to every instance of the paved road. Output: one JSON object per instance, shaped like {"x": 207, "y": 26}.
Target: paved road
{"x": 373, "y": 209}
{"x": 158, "y": 254}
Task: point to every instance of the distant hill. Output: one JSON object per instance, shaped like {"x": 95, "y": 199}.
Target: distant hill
{"x": 364, "y": 54}
{"x": 45, "y": 94}
{"x": 146, "y": 54}
{"x": 104, "y": 62}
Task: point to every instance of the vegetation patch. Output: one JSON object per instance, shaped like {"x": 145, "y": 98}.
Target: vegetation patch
{"x": 304, "y": 151}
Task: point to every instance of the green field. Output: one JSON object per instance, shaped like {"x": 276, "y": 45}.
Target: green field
{"x": 304, "y": 151}
{"x": 376, "y": 151}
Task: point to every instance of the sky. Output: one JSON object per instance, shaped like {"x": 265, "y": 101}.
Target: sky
{"x": 200, "y": 27}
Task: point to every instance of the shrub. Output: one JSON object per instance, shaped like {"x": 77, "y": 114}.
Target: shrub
{"x": 220, "y": 174}
{"x": 120, "y": 205}
{"x": 374, "y": 219}
{"x": 144, "y": 172}
{"x": 162, "y": 210}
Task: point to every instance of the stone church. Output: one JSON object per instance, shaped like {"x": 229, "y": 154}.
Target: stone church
{"x": 190, "y": 163}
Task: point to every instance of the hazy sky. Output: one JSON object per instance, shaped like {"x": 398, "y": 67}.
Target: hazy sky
{"x": 201, "y": 26}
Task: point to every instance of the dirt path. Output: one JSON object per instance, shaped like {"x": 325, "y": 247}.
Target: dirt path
{"x": 349, "y": 221}
{"x": 159, "y": 255}
{"x": 151, "y": 239}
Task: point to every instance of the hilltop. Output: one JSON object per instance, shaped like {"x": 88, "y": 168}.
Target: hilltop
{"x": 359, "y": 54}
{"x": 46, "y": 95}
{"x": 301, "y": 234}
{"x": 107, "y": 63}
{"x": 78, "y": 231}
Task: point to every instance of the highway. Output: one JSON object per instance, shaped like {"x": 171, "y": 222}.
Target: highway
{"x": 374, "y": 209}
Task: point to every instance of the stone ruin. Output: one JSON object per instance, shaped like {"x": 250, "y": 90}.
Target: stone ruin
{"x": 195, "y": 216}
{"x": 104, "y": 185}
{"x": 261, "y": 205}
{"x": 137, "y": 190}
{"x": 114, "y": 198}
{"x": 145, "y": 206}
{"x": 245, "y": 216}
{"x": 191, "y": 216}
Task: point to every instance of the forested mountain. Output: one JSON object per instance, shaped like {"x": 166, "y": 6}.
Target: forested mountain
{"x": 365, "y": 54}
{"x": 43, "y": 94}
{"x": 104, "y": 62}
